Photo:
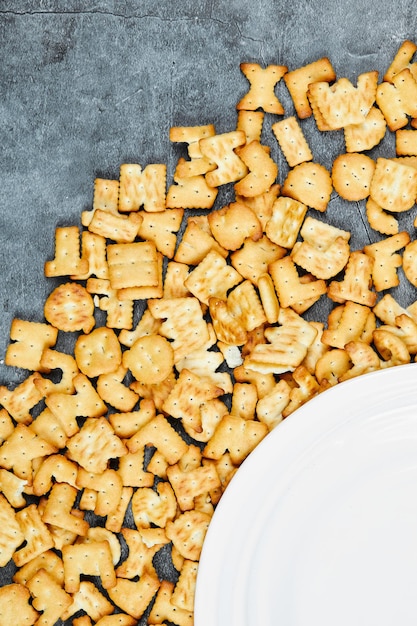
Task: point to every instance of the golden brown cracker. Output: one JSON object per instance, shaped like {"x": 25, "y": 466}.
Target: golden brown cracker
{"x": 410, "y": 262}
{"x": 11, "y": 533}
{"x": 159, "y": 433}
{"x": 220, "y": 149}
{"x": 183, "y": 323}
{"x": 285, "y": 345}
{"x": 164, "y": 610}
{"x": 233, "y": 224}
{"x": 20, "y": 448}
{"x": 91, "y": 559}
{"x": 261, "y": 94}
{"x": 48, "y": 597}
{"x": 349, "y": 325}
{"x": 292, "y": 141}
{"x": 262, "y": 204}
{"x": 59, "y": 511}
{"x": 150, "y": 359}
{"x": 251, "y": 122}
{"x": 352, "y": 174}
{"x": 254, "y": 257}
{"x": 342, "y": 104}
{"x": 212, "y": 277}
{"x": 192, "y": 192}
{"x": 380, "y": 220}
{"x": 387, "y": 260}
{"x": 393, "y": 185}
{"x": 69, "y": 308}
{"x": 262, "y": 170}
{"x": 309, "y": 183}
{"x": 36, "y": 535}
{"x": 93, "y": 249}
{"x": 197, "y": 240}
{"x": 367, "y": 134}
{"x": 29, "y": 340}
{"x": 406, "y": 142}
{"x": 324, "y": 250}
{"x": 285, "y": 222}
{"x": 299, "y": 80}
{"x": 238, "y": 436}
{"x": 85, "y": 401}
{"x": 114, "y": 391}
{"x": 95, "y": 444}
{"x": 132, "y": 264}
{"x": 67, "y": 259}
{"x": 161, "y": 228}
{"x": 401, "y": 60}
{"x": 291, "y": 290}
{"x": 116, "y": 227}
{"x": 119, "y": 313}
{"x": 187, "y": 533}
{"x": 97, "y": 353}
{"x": 17, "y": 595}
{"x": 355, "y": 284}
{"x": 142, "y": 187}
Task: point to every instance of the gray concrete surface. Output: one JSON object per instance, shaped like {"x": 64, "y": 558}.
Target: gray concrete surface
{"x": 86, "y": 86}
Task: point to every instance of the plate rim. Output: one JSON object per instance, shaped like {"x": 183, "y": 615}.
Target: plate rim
{"x": 377, "y": 384}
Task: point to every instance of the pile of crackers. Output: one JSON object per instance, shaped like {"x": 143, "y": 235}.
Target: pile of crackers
{"x": 116, "y": 452}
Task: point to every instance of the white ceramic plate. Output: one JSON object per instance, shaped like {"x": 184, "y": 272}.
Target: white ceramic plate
{"x": 319, "y": 525}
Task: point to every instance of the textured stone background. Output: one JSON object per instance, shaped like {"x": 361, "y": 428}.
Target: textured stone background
{"x": 86, "y": 86}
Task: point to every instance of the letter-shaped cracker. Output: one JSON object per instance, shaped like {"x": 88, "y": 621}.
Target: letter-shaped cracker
{"x": 292, "y": 290}
{"x": 292, "y": 141}
{"x": 134, "y": 597}
{"x": 164, "y": 608}
{"x": 141, "y": 553}
{"x": 91, "y": 559}
{"x": 237, "y": 435}
{"x": 348, "y": 322}
{"x": 393, "y": 185}
{"x": 262, "y": 84}
{"x": 59, "y": 512}
{"x": 287, "y": 345}
{"x": 95, "y": 444}
{"x": 355, "y": 284}
{"x": 309, "y": 183}
{"x": 220, "y": 149}
{"x": 299, "y": 80}
{"x": 401, "y": 60}
{"x": 397, "y": 99}
{"x": 29, "y": 339}
{"x": 20, "y": 448}
{"x": 84, "y": 402}
{"x": 367, "y": 134}
{"x": 387, "y": 260}
{"x": 48, "y": 597}
{"x": 343, "y": 104}
{"x": 183, "y": 323}
{"x": 286, "y": 218}
{"x": 262, "y": 170}
{"x": 38, "y": 539}
{"x": 187, "y": 532}
{"x": 154, "y": 507}
{"x": 11, "y": 533}
{"x": 22, "y": 399}
{"x": 139, "y": 187}
{"x": 16, "y": 595}
{"x": 67, "y": 259}
{"x": 324, "y": 250}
